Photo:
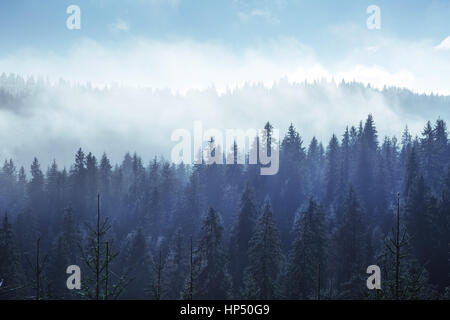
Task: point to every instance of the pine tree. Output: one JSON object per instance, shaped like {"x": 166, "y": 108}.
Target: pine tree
{"x": 388, "y": 167}
{"x": 427, "y": 152}
{"x": 404, "y": 278}
{"x": 54, "y": 187}
{"x": 442, "y": 153}
{"x": 332, "y": 170}
{"x": 166, "y": 191}
{"x": 98, "y": 257}
{"x": 38, "y": 267}
{"x": 138, "y": 263}
{"x": 22, "y": 186}
{"x": 176, "y": 267}
{"x": 64, "y": 252}
{"x": 241, "y": 234}
{"x": 292, "y": 145}
{"x": 350, "y": 246}
{"x": 345, "y": 158}
{"x": 412, "y": 171}
{"x": 36, "y": 186}
{"x": 434, "y": 232}
{"x": 105, "y": 176}
{"x": 211, "y": 277}
{"x": 72, "y": 235}
{"x": 91, "y": 177}
{"x": 367, "y": 157}
{"x": 191, "y": 204}
{"x": 265, "y": 257}
{"x": 8, "y": 178}
{"x": 78, "y": 184}
{"x": 307, "y": 253}
{"x": 10, "y": 271}
{"x": 314, "y": 168}
{"x": 292, "y": 182}
{"x": 418, "y": 218}
{"x": 151, "y": 216}
{"x": 445, "y": 225}
{"x": 58, "y": 262}
{"x": 37, "y": 197}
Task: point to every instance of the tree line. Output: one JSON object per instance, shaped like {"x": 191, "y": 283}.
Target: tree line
{"x": 166, "y": 231}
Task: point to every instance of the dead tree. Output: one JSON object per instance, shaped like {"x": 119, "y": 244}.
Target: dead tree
{"x": 395, "y": 246}
{"x": 191, "y": 276}
{"x": 98, "y": 261}
{"x": 38, "y": 268}
{"x": 159, "y": 275}
{"x": 107, "y": 270}
{"x": 318, "y": 282}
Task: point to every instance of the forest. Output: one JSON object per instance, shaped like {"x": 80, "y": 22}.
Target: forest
{"x": 150, "y": 229}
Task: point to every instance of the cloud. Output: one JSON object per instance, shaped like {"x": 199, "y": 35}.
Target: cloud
{"x": 445, "y": 44}
{"x": 119, "y": 25}
{"x": 181, "y": 65}
{"x": 264, "y": 14}
{"x": 377, "y": 76}
{"x": 55, "y": 122}
{"x": 170, "y": 84}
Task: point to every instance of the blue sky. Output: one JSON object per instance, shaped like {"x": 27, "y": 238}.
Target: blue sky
{"x": 41, "y": 24}
{"x": 329, "y": 33}
{"x": 213, "y": 47}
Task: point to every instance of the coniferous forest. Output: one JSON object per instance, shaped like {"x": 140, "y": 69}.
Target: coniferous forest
{"x": 149, "y": 229}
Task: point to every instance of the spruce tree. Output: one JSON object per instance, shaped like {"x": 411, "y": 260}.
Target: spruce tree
{"x": 98, "y": 257}
{"x": 404, "y": 278}
{"x": 9, "y": 262}
{"x": 307, "y": 253}
{"x": 418, "y": 218}
{"x": 261, "y": 277}
{"x": 138, "y": 263}
{"x": 176, "y": 267}
{"x": 314, "y": 168}
{"x": 292, "y": 181}
{"x": 333, "y": 166}
{"x": 241, "y": 234}
{"x": 211, "y": 277}
{"x": 367, "y": 157}
{"x": 350, "y": 247}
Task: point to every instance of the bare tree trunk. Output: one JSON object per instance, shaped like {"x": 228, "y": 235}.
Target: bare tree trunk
{"x": 38, "y": 271}
{"x": 331, "y": 289}
{"x": 318, "y": 283}
{"x": 107, "y": 270}
{"x": 97, "y": 260}
{"x": 191, "y": 276}
{"x": 397, "y": 251}
{"x": 158, "y": 290}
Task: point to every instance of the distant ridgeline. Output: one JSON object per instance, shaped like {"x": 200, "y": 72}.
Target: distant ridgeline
{"x": 15, "y": 90}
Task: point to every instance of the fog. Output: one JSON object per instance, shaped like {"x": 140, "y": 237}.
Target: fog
{"x": 53, "y": 121}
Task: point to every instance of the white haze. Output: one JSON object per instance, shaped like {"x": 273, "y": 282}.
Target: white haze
{"x": 184, "y": 64}
{"x": 211, "y": 82}
{"x": 55, "y": 122}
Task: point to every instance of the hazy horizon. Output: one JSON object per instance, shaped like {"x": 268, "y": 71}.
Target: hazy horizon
{"x": 53, "y": 121}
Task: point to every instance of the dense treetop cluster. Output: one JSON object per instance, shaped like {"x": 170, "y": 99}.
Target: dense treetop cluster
{"x": 225, "y": 231}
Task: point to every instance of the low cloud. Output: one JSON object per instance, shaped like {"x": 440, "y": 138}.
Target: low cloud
{"x": 264, "y": 14}
{"x": 119, "y": 26}
{"x": 444, "y": 45}
{"x": 156, "y": 87}
{"x": 185, "y": 64}
{"x": 53, "y": 122}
